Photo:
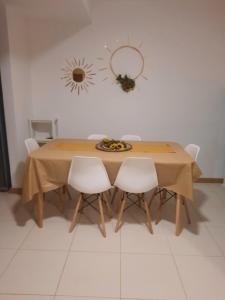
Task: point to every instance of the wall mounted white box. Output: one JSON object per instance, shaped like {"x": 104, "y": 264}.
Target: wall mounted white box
{"x": 43, "y": 131}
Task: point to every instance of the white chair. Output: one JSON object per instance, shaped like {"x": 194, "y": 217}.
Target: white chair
{"x": 97, "y": 136}
{"x": 137, "y": 175}
{"x": 88, "y": 176}
{"x": 192, "y": 150}
{"x": 31, "y": 145}
{"x": 130, "y": 137}
{"x": 126, "y": 137}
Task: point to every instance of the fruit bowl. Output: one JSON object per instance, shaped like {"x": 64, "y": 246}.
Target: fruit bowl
{"x": 111, "y": 145}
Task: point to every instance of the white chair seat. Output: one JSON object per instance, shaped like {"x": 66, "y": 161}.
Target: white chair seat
{"x": 192, "y": 150}
{"x": 88, "y": 176}
{"x": 31, "y": 145}
{"x": 137, "y": 175}
{"x": 96, "y": 184}
{"x": 97, "y": 136}
{"x": 130, "y": 137}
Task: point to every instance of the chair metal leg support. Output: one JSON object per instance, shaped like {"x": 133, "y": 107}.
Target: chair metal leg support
{"x": 102, "y": 219}
{"x": 66, "y": 191}
{"x": 73, "y": 222}
{"x": 159, "y": 212}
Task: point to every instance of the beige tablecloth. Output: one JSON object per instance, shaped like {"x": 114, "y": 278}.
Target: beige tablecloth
{"x": 48, "y": 167}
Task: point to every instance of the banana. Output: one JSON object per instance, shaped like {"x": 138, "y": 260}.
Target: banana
{"x": 113, "y": 144}
{"x": 107, "y": 140}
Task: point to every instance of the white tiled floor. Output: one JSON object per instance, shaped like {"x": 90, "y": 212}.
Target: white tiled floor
{"x": 51, "y": 264}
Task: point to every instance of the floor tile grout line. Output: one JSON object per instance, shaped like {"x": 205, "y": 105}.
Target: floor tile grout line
{"x": 77, "y": 297}
{"x": 28, "y": 294}
{"x": 67, "y": 256}
{"x": 16, "y": 251}
{"x": 215, "y": 241}
{"x": 166, "y": 254}
{"x": 177, "y": 269}
{"x": 174, "y": 256}
{"x": 37, "y": 250}
{"x": 62, "y": 295}
{"x": 21, "y": 244}
{"x": 96, "y": 297}
{"x": 113, "y": 252}
{"x": 103, "y": 298}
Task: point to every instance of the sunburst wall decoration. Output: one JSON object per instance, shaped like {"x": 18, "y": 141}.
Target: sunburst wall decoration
{"x": 78, "y": 75}
{"x": 126, "y": 63}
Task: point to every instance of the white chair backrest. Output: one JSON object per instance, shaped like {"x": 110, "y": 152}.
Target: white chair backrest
{"x": 31, "y": 145}
{"x": 88, "y": 175}
{"x": 130, "y": 137}
{"x": 192, "y": 150}
{"x": 97, "y": 136}
{"x": 137, "y": 175}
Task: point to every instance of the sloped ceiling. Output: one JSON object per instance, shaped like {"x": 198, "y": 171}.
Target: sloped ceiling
{"x": 77, "y": 11}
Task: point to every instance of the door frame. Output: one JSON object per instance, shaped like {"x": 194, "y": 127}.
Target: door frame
{"x": 6, "y": 176}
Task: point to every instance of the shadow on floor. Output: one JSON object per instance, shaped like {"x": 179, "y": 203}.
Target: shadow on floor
{"x": 25, "y": 212}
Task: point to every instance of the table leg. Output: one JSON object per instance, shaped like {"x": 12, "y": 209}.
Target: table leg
{"x": 178, "y": 205}
{"x": 61, "y": 200}
{"x": 39, "y": 209}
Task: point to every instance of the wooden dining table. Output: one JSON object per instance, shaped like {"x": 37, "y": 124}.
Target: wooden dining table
{"x": 48, "y": 168}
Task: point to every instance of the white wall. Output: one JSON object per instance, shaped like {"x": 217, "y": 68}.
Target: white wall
{"x": 5, "y": 69}
{"x": 15, "y": 70}
{"x": 184, "y": 98}
{"x": 15, "y": 63}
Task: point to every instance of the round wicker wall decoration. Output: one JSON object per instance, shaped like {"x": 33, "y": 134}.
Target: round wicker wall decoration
{"x": 117, "y": 50}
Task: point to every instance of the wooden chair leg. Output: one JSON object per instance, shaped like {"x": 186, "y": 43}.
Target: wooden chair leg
{"x": 178, "y": 205}
{"x": 186, "y": 211}
{"x": 109, "y": 209}
{"x": 152, "y": 197}
{"x": 149, "y": 219}
{"x": 159, "y": 211}
{"x": 73, "y": 222}
{"x": 39, "y": 209}
{"x": 119, "y": 219}
{"x": 102, "y": 219}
